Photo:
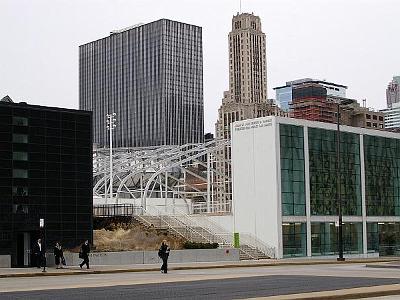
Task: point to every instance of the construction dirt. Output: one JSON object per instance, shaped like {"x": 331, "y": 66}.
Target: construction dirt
{"x": 125, "y": 236}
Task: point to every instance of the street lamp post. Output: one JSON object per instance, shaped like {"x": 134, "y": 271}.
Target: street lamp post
{"x": 43, "y": 250}
{"x": 338, "y": 188}
{"x": 111, "y": 126}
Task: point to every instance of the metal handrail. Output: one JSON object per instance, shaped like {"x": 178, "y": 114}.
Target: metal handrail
{"x": 190, "y": 229}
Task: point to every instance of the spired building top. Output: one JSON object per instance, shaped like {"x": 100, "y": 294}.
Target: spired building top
{"x": 247, "y": 94}
{"x": 247, "y": 60}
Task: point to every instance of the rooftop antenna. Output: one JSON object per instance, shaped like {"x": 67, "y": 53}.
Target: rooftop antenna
{"x": 364, "y": 102}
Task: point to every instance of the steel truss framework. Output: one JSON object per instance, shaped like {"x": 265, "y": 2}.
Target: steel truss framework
{"x": 186, "y": 172}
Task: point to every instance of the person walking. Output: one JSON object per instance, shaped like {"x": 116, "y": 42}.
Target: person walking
{"x": 163, "y": 253}
{"x": 58, "y": 256}
{"x": 84, "y": 254}
{"x": 38, "y": 251}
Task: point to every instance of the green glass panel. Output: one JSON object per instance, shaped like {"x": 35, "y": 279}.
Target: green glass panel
{"x": 323, "y": 172}
{"x": 292, "y": 170}
{"x": 382, "y": 170}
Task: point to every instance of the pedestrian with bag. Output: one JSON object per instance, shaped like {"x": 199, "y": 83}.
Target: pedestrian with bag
{"x": 84, "y": 254}
{"x": 58, "y": 256}
{"x": 163, "y": 253}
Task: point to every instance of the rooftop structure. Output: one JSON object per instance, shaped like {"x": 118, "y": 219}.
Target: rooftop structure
{"x": 284, "y": 94}
{"x": 393, "y": 92}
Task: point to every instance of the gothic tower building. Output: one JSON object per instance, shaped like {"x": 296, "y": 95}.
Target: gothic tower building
{"x": 247, "y": 95}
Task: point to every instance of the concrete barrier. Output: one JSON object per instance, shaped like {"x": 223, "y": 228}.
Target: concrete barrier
{"x": 5, "y": 261}
{"x": 150, "y": 257}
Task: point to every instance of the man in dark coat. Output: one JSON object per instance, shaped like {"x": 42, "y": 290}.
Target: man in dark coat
{"x": 39, "y": 252}
{"x": 163, "y": 253}
{"x": 84, "y": 254}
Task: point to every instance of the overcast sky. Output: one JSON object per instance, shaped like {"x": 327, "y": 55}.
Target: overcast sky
{"x": 350, "y": 42}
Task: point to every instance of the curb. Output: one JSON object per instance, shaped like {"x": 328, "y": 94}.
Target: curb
{"x": 355, "y": 293}
{"x": 194, "y": 267}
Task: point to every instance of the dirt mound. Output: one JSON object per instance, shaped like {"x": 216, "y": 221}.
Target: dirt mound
{"x": 132, "y": 236}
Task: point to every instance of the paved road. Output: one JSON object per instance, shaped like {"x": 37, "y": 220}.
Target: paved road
{"x": 224, "y": 283}
{"x": 234, "y": 288}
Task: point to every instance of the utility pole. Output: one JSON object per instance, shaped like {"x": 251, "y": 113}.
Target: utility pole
{"x": 111, "y": 126}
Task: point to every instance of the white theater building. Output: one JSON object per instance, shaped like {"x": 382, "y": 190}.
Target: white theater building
{"x": 285, "y": 187}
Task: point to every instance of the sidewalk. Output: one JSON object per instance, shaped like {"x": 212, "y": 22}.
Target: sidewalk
{"x": 103, "y": 269}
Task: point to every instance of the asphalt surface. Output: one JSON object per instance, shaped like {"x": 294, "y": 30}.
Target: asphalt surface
{"x": 232, "y": 288}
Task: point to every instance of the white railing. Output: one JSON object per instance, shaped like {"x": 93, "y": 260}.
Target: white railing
{"x": 213, "y": 208}
{"x": 225, "y": 237}
{"x": 201, "y": 228}
{"x": 176, "y": 224}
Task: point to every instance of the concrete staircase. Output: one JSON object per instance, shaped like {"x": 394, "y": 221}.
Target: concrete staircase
{"x": 202, "y": 230}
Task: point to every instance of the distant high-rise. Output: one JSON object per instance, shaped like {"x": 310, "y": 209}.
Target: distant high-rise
{"x": 393, "y": 91}
{"x": 151, "y": 76}
{"x": 247, "y": 95}
{"x": 284, "y": 94}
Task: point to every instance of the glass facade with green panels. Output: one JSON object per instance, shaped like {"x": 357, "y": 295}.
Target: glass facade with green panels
{"x": 382, "y": 175}
{"x": 294, "y": 239}
{"x": 383, "y": 238}
{"x": 292, "y": 170}
{"x": 323, "y": 172}
{"x": 324, "y": 238}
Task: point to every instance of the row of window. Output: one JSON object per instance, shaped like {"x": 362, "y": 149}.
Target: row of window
{"x": 383, "y": 238}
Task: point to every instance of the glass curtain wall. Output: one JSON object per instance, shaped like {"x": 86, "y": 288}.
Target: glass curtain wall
{"x": 323, "y": 175}
{"x": 382, "y": 176}
{"x": 384, "y": 238}
{"x": 294, "y": 239}
{"x": 324, "y": 238}
{"x": 292, "y": 170}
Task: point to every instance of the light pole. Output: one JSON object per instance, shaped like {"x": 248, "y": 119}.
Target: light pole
{"x": 43, "y": 250}
{"x": 338, "y": 191}
{"x": 111, "y": 126}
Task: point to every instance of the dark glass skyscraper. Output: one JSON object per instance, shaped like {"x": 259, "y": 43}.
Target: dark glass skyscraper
{"x": 46, "y": 165}
{"x": 151, "y": 76}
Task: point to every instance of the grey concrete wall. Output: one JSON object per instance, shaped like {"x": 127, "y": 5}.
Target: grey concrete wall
{"x": 5, "y": 261}
{"x": 151, "y": 257}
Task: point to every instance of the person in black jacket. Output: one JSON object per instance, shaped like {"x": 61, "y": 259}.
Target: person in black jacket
{"x": 163, "y": 253}
{"x": 58, "y": 255}
{"x": 39, "y": 252}
{"x": 84, "y": 254}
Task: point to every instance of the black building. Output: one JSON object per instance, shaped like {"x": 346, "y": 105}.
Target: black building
{"x": 151, "y": 76}
{"x": 45, "y": 173}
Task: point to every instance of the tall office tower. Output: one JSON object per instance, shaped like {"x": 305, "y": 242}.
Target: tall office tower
{"x": 151, "y": 76}
{"x": 247, "y": 95}
{"x": 393, "y": 91}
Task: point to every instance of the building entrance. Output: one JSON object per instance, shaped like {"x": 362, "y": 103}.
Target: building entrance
{"x": 23, "y": 249}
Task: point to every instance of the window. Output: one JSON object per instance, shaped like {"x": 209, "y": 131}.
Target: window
{"x": 294, "y": 239}
{"x": 368, "y": 116}
{"x": 20, "y": 138}
{"x": 20, "y": 191}
{"x": 382, "y": 176}
{"x": 20, "y": 173}
{"x": 374, "y": 117}
{"x": 20, "y": 121}
{"x": 292, "y": 170}
{"x": 20, "y": 156}
{"x": 324, "y": 238}
{"x": 380, "y": 118}
{"x": 368, "y": 124}
{"x": 375, "y": 125}
{"x": 20, "y": 209}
